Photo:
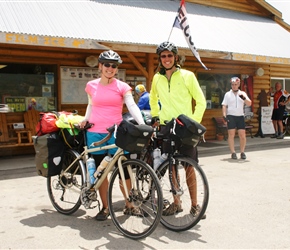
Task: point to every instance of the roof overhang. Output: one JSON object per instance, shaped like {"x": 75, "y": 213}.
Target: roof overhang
{"x": 216, "y": 32}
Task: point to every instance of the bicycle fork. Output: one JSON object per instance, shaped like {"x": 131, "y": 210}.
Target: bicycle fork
{"x": 174, "y": 177}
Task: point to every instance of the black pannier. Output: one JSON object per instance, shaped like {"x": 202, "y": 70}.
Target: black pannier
{"x": 49, "y": 153}
{"x": 73, "y": 138}
{"x": 133, "y": 138}
{"x": 188, "y": 130}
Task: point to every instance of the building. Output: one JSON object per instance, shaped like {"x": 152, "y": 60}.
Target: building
{"x": 49, "y": 49}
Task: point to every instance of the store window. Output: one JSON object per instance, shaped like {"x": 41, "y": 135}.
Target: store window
{"x": 284, "y": 81}
{"x": 28, "y": 86}
{"x": 214, "y": 87}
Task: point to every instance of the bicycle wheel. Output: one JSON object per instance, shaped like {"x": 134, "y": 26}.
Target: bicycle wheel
{"x": 185, "y": 219}
{"x": 64, "y": 189}
{"x": 147, "y": 185}
{"x": 287, "y": 125}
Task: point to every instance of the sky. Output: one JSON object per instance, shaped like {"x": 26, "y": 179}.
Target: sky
{"x": 283, "y": 6}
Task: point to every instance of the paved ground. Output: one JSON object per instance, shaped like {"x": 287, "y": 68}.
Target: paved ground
{"x": 248, "y": 209}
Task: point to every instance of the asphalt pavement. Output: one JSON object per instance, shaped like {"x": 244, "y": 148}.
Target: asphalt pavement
{"x": 248, "y": 207}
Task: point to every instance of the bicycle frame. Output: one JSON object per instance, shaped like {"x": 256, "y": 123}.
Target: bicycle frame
{"x": 117, "y": 157}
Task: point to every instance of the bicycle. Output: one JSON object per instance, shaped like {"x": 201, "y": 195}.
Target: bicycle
{"x": 286, "y": 122}
{"x": 173, "y": 179}
{"x": 71, "y": 189}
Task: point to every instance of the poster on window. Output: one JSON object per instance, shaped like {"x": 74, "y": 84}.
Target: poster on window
{"x": 266, "y": 122}
{"x": 16, "y": 103}
{"x": 36, "y": 102}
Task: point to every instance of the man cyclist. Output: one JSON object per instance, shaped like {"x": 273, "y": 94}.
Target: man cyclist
{"x": 175, "y": 88}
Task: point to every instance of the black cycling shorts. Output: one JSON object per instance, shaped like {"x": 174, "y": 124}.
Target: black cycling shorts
{"x": 236, "y": 122}
{"x": 277, "y": 114}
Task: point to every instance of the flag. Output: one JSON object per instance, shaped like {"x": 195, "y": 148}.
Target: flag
{"x": 181, "y": 22}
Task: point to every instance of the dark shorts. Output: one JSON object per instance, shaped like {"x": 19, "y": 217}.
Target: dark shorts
{"x": 186, "y": 150}
{"x": 277, "y": 114}
{"x": 236, "y": 122}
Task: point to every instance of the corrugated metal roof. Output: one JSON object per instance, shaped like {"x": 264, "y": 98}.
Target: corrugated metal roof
{"x": 146, "y": 23}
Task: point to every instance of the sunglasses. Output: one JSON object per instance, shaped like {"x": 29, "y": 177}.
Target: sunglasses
{"x": 164, "y": 56}
{"x": 108, "y": 65}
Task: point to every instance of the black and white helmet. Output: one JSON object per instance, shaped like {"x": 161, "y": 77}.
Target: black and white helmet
{"x": 167, "y": 46}
{"x": 110, "y": 56}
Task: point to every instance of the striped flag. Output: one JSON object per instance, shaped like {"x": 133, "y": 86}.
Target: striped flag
{"x": 181, "y": 22}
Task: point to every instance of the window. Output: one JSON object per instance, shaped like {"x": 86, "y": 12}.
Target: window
{"x": 28, "y": 86}
{"x": 214, "y": 87}
{"x": 284, "y": 81}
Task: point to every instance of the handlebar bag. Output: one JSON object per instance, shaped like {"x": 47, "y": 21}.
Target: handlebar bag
{"x": 133, "y": 138}
{"x": 188, "y": 130}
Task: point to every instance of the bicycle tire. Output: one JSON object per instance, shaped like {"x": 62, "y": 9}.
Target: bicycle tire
{"x": 287, "y": 125}
{"x": 184, "y": 220}
{"x": 64, "y": 189}
{"x": 147, "y": 184}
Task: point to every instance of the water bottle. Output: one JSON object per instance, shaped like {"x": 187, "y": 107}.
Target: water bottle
{"x": 104, "y": 163}
{"x": 91, "y": 165}
{"x": 159, "y": 160}
{"x": 163, "y": 157}
{"x": 156, "y": 158}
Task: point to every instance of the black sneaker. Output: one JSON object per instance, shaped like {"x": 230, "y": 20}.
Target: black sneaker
{"x": 243, "y": 156}
{"x": 274, "y": 136}
{"x": 280, "y": 136}
{"x": 234, "y": 156}
{"x": 103, "y": 214}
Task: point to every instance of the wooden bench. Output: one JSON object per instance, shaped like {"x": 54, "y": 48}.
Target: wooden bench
{"x": 31, "y": 117}
{"x": 221, "y": 127}
{"x": 4, "y": 135}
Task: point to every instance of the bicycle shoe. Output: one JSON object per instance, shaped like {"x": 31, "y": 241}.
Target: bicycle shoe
{"x": 243, "y": 156}
{"x": 172, "y": 209}
{"x": 103, "y": 214}
{"x": 135, "y": 211}
{"x": 234, "y": 156}
{"x": 195, "y": 211}
{"x": 280, "y": 136}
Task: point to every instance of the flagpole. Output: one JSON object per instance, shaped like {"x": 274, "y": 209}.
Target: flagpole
{"x": 182, "y": 1}
{"x": 170, "y": 34}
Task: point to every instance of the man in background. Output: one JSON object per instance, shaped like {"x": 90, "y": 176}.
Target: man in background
{"x": 143, "y": 102}
{"x": 280, "y": 100}
{"x": 233, "y": 113}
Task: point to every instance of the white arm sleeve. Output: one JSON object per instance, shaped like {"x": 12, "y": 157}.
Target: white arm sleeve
{"x": 133, "y": 108}
{"x": 89, "y": 109}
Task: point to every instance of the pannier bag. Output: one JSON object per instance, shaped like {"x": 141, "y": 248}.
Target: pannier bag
{"x": 188, "y": 130}
{"x": 49, "y": 152}
{"x": 133, "y": 138}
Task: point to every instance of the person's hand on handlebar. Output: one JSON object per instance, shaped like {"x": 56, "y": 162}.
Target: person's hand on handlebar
{"x": 155, "y": 121}
{"x": 83, "y": 123}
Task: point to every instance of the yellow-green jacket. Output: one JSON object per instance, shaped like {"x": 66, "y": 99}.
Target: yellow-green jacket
{"x": 176, "y": 96}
